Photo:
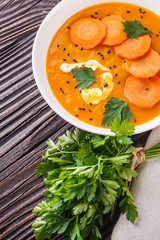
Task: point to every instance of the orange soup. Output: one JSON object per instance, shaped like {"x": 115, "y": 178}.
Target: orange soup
{"x": 63, "y": 50}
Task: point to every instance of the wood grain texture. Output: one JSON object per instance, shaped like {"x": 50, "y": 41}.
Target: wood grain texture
{"x": 26, "y": 121}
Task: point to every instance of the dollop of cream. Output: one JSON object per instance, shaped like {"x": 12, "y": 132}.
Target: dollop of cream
{"x": 93, "y": 95}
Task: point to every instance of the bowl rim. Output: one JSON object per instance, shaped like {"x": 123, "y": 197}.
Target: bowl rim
{"x": 58, "y": 108}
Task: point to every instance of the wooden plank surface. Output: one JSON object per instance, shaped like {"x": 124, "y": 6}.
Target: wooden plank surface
{"x": 26, "y": 121}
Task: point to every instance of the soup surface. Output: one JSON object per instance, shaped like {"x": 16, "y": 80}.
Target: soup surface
{"x": 62, "y": 50}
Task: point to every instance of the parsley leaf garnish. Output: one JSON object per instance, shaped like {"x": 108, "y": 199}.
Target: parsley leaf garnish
{"x": 116, "y": 107}
{"x": 134, "y": 29}
{"x": 124, "y": 128}
{"x": 85, "y": 76}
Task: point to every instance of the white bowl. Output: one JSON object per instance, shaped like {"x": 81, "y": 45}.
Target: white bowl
{"x": 57, "y": 16}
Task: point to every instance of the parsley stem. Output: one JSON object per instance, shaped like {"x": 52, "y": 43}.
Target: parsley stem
{"x": 61, "y": 152}
{"x": 152, "y": 152}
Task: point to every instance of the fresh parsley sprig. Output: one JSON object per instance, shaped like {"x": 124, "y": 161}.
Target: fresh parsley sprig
{"x": 85, "y": 176}
{"x": 85, "y": 76}
{"x": 134, "y": 29}
{"x": 116, "y": 108}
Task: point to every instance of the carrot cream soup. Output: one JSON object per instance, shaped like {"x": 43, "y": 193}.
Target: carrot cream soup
{"x": 116, "y": 67}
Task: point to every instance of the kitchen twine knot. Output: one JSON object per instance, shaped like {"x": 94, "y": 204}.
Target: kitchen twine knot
{"x": 138, "y": 158}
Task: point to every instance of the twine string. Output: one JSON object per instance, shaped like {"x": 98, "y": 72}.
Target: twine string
{"x": 138, "y": 158}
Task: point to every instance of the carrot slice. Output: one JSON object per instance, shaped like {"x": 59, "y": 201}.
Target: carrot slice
{"x": 87, "y": 32}
{"x": 143, "y": 93}
{"x": 133, "y": 48}
{"x": 145, "y": 67}
{"x": 115, "y": 34}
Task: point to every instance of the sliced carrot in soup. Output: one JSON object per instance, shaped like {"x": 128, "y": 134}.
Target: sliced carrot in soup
{"x": 147, "y": 66}
{"x": 115, "y": 34}
{"x": 87, "y": 32}
{"x": 133, "y": 48}
{"x": 143, "y": 93}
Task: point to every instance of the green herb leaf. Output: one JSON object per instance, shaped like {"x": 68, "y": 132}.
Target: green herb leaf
{"x": 124, "y": 140}
{"x": 124, "y": 128}
{"x": 99, "y": 141}
{"x": 116, "y": 107}
{"x": 79, "y": 208}
{"x": 44, "y": 168}
{"x": 75, "y": 233}
{"x": 85, "y": 76}
{"x": 132, "y": 213}
{"x": 134, "y": 29}
{"x": 127, "y": 173}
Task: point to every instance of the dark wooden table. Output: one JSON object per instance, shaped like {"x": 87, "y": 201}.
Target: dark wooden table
{"x": 26, "y": 120}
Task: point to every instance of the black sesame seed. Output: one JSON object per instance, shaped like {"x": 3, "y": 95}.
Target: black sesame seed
{"x": 147, "y": 89}
{"x": 68, "y": 82}
{"x": 64, "y": 49}
{"x": 101, "y": 54}
{"x": 100, "y": 18}
{"x": 128, "y": 11}
{"x": 150, "y": 36}
{"x": 90, "y": 119}
{"x": 64, "y": 59}
{"x": 76, "y": 87}
{"x": 61, "y": 90}
{"x": 96, "y": 12}
{"x": 80, "y": 91}
{"x": 68, "y": 54}
{"x": 124, "y": 61}
{"x": 135, "y": 120}
{"x": 80, "y": 108}
{"x": 58, "y": 45}
{"x": 106, "y": 85}
{"x": 74, "y": 60}
{"x": 98, "y": 53}
{"x": 83, "y": 109}
{"x": 150, "y": 77}
{"x": 90, "y": 110}
{"x": 102, "y": 58}
{"x": 141, "y": 16}
{"x": 68, "y": 27}
{"x": 108, "y": 51}
{"x": 95, "y": 17}
{"x": 73, "y": 77}
{"x": 90, "y": 104}
{"x": 140, "y": 10}
{"x": 77, "y": 115}
{"x": 75, "y": 45}
{"x": 110, "y": 67}
{"x": 114, "y": 66}
{"x": 118, "y": 82}
{"x": 115, "y": 75}
{"x": 92, "y": 16}
{"x": 157, "y": 35}
{"x": 143, "y": 12}
{"x": 81, "y": 48}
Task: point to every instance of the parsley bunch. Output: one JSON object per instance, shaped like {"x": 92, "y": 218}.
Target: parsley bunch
{"x": 85, "y": 175}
